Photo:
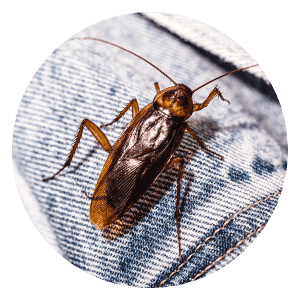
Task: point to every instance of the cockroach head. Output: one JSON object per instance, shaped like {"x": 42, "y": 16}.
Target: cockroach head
{"x": 175, "y": 101}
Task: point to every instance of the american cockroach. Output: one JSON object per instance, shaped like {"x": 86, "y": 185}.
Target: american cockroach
{"x": 145, "y": 148}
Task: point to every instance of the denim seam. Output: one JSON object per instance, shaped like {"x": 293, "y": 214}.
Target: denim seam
{"x": 214, "y": 234}
{"x": 227, "y": 252}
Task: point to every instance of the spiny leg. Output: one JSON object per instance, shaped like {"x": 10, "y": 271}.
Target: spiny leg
{"x": 177, "y": 162}
{"x": 135, "y": 110}
{"x": 97, "y": 133}
{"x": 200, "y": 143}
{"x": 215, "y": 92}
{"x": 156, "y": 87}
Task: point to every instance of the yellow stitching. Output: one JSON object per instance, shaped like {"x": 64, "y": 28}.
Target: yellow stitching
{"x": 227, "y": 252}
{"x": 219, "y": 229}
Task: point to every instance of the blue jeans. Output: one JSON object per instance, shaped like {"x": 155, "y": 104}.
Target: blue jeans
{"x": 224, "y": 204}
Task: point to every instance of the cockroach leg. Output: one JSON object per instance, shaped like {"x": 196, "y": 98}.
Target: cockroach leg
{"x": 177, "y": 162}
{"x": 215, "y": 92}
{"x": 135, "y": 110}
{"x": 94, "y": 198}
{"x": 156, "y": 87}
{"x": 200, "y": 143}
{"x": 97, "y": 133}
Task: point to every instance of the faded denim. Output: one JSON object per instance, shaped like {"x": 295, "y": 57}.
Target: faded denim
{"x": 225, "y": 204}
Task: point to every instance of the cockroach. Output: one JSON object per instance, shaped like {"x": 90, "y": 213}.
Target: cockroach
{"x": 144, "y": 150}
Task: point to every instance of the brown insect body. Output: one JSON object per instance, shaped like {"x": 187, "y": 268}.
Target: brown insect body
{"x": 140, "y": 154}
{"x": 175, "y": 101}
{"x": 144, "y": 150}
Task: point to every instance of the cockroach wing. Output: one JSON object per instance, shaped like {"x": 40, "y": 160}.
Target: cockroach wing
{"x": 136, "y": 159}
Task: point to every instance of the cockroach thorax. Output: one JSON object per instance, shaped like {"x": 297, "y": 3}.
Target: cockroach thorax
{"x": 175, "y": 101}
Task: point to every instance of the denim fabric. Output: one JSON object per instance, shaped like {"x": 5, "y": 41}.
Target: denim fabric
{"x": 225, "y": 204}
{"x": 207, "y": 38}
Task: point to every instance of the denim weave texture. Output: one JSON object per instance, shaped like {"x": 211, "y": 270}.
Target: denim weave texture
{"x": 224, "y": 203}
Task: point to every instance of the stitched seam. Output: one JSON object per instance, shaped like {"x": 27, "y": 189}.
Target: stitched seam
{"x": 227, "y": 252}
{"x": 214, "y": 234}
